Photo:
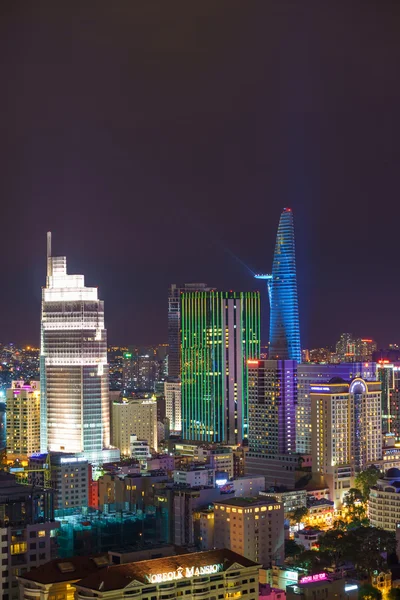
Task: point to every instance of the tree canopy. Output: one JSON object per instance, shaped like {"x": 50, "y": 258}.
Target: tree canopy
{"x": 369, "y": 592}
{"x": 365, "y": 547}
{"x": 298, "y": 515}
{"x": 366, "y": 479}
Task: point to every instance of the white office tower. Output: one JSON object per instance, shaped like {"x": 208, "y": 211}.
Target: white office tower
{"x": 75, "y": 414}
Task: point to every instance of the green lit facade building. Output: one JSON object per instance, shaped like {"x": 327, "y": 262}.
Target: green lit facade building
{"x": 220, "y": 333}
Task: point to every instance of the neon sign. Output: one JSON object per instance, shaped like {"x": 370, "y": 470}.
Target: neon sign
{"x": 320, "y": 388}
{"x": 312, "y": 578}
{"x": 181, "y": 572}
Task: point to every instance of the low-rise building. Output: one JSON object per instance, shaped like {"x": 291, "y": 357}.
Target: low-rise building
{"x": 220, "y": 459}
{"x": 280, "y": 577}
{"x": 291, "y": 499}
{"x": 308, "y": 538}
{"x": 209, "y": 575}
{"x": 195, "y": 477}
{"x": 320, "y": 512}
{"x": 69, "y": 476}
{"x": 55, "y": 579}
{"x": 266, "y": 592}
{"x": 27, "y": 531}
{"x": 252, "y": 527}
{"x": 321, "y": 585}
{"x": 128, "y": 492}
{"x": 384, "y": 501}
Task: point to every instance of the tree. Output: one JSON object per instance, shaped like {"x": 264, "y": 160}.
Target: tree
{"x": 368, "y": 547}
{"x": 354, "y": 501}
{"x": 292, "y": 549}
{"x": 298, "y": 515}
{"x": 369, "y": 592}
{"x": 394, "y": 594}
{"x": 334, "y": 544}
{"x": 313, "y": 561}
{"x": 366, "y": 479}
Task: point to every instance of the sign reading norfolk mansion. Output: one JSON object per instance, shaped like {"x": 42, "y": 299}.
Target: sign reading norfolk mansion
{"x": 187, "y": 572}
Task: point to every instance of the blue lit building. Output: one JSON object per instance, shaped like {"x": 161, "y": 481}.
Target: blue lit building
{"x": 284, "y": 329}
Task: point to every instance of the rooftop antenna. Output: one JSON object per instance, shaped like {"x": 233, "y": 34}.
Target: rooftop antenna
{"x": 49, "y": 269}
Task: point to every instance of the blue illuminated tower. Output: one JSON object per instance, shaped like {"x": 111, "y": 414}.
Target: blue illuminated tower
{"x": 284, "y": 326}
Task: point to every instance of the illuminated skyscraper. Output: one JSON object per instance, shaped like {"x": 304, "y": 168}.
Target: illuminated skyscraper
{"x": 220, "y": 331}
{"x": 284, "y": 326}
{"x": 174, "y": 324}
{"x": 75, "y": 414}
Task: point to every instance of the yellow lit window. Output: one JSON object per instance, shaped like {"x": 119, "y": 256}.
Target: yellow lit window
{"x": 19, "y": 548}
{"x": 41, "y": 533}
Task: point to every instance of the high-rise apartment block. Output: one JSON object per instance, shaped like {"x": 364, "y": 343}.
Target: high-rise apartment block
{"x": 220, "y": 332}
{"x": 173, "y": 400}
{"x": 75, "y": 414}
{"x": 23, "y": 419}
{"x": 346, "y": 431}
{"x": 134, "y": 417}
{"x": 174, "y": 324}
{"x": 252, "y": 527}
{"x": 284, "y": 331}
{"x": 272, "y": 397}
{"x": 309, "y": 374}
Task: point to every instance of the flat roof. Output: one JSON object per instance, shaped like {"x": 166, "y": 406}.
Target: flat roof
{"x": 244, "y": 502}
{"x": 120, "y": 576}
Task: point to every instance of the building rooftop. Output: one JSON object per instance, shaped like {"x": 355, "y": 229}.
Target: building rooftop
{"x": 245, "y": 502}
{"x": 67, "y": 569}
{"x": 120, "y": 576}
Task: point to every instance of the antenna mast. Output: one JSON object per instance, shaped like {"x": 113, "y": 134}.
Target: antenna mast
{"x": 49, "y": 269}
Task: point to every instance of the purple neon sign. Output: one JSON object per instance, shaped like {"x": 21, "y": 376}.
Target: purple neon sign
{"x": 312, "y": 578}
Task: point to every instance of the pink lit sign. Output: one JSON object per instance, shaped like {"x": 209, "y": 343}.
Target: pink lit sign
{"x": 312, "y": 578}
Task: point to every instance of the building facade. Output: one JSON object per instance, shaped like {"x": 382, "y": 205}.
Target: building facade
{"x": 23, "y": 419}
{"x": 346, "y": 431}
{"x": 313, "y": 374}
{"x": 272, "y": 398}
{"x": 209, "y": 575}
{"x": 220, "y": 332}
{"x": 69, "y": 477}
{"x": 173, "y": 403}
{"x": 284, "y": 329}
{"x": 174, "y": 324}
{"x": 384, "y": 501}
{"x": 252, "y": 527}
{"x": 134, "y": 417}
{"x": 75, "y": 412}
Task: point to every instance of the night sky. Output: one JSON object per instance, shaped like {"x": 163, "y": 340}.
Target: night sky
{"x": 160, "y": 140}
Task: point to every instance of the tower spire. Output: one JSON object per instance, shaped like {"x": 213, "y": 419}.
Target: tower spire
{"x": 49, "y": 254}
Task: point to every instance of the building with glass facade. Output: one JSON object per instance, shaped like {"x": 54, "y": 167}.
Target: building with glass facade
{"x": 220, "y": 332}
{"x": 284, "y": 329}
{"x": 74, "y": 411}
